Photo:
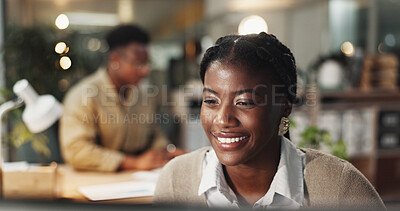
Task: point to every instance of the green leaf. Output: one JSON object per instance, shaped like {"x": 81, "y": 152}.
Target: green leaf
{"x": 39, "y": 144}
{"x": 313, "y": 137}
{"x": 21, "y": 135}
{"x": 292, "y": 123}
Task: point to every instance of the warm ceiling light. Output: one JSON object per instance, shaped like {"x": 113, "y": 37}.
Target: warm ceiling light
{"x": 65, "y": 62}
{"x": 252, "y": 25}
{"x": 62, "y": 21}
{"x": 61, "y": 48}
{"x": 347, "y": 48}
{"x": 93, "y": 19}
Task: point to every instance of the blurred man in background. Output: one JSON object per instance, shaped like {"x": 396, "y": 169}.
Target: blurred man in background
{"x": 108, "y": 123}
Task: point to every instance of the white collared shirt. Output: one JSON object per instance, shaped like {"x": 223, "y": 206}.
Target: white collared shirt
{"x": 286, "y": 189}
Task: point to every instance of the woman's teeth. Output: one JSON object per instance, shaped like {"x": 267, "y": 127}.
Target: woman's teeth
{"x": 230, "y": 140}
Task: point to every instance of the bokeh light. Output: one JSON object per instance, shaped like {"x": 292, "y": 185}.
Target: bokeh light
{"x": 93, "y": 44}
{"x": 61, "y": 48}
{"x": 390, "y": 40}
{"x": 62, "y": 21}
{"x": 347, "y": 48}
{"x": 65, "y": 62}
{"x": 104, "y": 46}
{"x": 64, "y": 85}
{"x": 252, "y": 25}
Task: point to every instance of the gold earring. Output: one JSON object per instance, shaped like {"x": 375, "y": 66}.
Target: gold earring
{"x": 283, "y": 126}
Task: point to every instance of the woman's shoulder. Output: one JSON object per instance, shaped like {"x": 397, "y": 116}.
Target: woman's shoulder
{"x": 319, "y": 157}
{"x": 329, "y": 178}
{"x": 317, "y": 161}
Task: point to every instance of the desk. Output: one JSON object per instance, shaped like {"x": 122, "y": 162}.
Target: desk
{"x": 69, "y": 180}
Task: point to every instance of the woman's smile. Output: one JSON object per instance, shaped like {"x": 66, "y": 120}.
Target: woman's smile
{"x": 226, "y": 141}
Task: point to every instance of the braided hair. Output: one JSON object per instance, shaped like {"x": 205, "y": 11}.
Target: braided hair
{"x": 263, "y": 52}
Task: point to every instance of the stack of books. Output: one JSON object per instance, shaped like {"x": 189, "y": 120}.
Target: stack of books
{"x": 379, "y": 72}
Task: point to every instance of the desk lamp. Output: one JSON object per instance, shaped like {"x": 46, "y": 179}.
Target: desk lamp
{"x": 40, "y": 112}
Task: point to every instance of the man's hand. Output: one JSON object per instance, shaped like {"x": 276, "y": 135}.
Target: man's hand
{"x": 175, "y": 152}
{"x": 148, "y": 160}
{"x": 151, "y": 159}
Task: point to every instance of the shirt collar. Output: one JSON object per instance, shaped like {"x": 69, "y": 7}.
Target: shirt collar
{"x": 107, "y": 86}
{"x": 209, "y": 175}
{"x": 213, "y": 177}
{"x": 288, "y": 180}
{"x": 104, "y": 77}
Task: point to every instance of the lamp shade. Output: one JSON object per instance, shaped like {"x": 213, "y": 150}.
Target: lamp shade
{"x": 40, "y": 111}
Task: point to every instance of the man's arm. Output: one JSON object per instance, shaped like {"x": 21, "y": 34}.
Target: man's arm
{"x": 78, "y": 135}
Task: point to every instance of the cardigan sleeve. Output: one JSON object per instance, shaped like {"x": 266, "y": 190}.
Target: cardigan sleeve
{"x": 164, "y": 192}
{"x": 179, "y": 181}
{"x": 356, "y": 191}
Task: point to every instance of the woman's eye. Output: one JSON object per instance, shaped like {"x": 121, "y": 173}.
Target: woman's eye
{"x": 210, "y": 101}
{"x": 245, "y": 103}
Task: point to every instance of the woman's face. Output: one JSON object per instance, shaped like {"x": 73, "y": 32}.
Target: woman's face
{"x": 241, "y": 113}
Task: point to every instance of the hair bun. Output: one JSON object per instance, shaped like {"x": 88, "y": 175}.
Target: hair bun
{"x": 263, "y": 35}
{"x": 266, "y": 36}
{"x": 213, "y": 50}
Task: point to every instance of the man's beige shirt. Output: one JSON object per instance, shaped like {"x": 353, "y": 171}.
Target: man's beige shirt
{"x": 98, "y": 127}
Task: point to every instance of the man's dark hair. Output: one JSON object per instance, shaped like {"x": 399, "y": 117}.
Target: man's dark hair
{"x": 263, "y": 52}
{"x": 125, "y": 34}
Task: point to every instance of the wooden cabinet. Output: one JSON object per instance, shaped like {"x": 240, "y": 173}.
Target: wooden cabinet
{"x": 387, "y": 179}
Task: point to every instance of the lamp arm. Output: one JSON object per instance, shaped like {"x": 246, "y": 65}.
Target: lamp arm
{"x": 4, "y": 108}
{"x": 10, "y": 105}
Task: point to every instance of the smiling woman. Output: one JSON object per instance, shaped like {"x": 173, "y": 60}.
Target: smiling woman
{"x": 249, "y": 88}
{"x": 232, "y": 110}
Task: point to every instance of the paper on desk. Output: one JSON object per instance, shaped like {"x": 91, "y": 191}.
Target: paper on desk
{"x": 150, "y": 176}
{"x": 118, "y": 190}
{"x": 15, "y": 166}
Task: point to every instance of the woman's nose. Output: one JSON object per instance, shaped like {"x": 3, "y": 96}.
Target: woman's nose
{"x": 225, "y": 117}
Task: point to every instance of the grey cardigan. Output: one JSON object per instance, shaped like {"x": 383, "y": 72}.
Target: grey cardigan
{"x": 329, "y": 183}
